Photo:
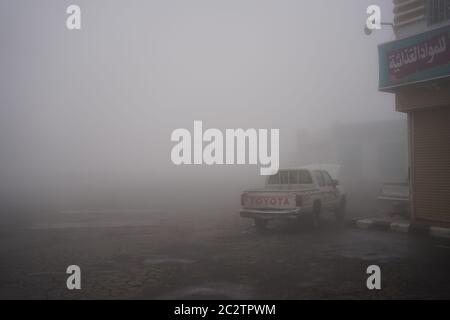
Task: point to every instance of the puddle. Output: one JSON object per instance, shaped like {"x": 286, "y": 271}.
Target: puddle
{"x": 91, "y": 224}
{"x": 211, "y": 291}
{"x": 164, "y": 260}
{"x": 364, "y": 254}
{"x": 50, "y": 273}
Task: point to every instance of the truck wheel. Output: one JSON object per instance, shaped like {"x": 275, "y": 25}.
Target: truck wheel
{"x": 340, "y": 211}
{"x": 261, "y": 224}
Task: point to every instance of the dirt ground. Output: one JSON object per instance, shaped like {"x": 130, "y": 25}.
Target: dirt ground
{"x": 220, "y": 256}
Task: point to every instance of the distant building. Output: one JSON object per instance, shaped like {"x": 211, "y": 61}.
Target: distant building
{"x": 416, "y": 68}
{"x": 366, "y": 151}
{"x": 369, "y": 154}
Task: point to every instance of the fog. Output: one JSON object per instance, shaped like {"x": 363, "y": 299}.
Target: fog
{"x": 86, "y": 116}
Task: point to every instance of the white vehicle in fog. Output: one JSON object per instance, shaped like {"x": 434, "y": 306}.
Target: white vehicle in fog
{"x": 397, "y": 194}
{"x": 294, "y": 194}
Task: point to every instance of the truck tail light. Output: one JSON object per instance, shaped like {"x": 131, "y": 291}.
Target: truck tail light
{"x": 298, "y": 200}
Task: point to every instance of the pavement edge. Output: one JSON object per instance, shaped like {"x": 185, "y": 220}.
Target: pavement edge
{"x": 401, "y": 227}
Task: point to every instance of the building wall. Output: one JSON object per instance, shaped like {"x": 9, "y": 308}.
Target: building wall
{"x": 433, "y": 94}
{"x": 412, "y": 17}
{"x": 428, "y": 108}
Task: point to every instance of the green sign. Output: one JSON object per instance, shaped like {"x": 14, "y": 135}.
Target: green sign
{"x": 416, "y": 59}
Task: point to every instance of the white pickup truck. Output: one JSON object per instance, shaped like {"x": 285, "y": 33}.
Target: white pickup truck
{"x": 293, "y": 194}
{"x": 397, "y": 194}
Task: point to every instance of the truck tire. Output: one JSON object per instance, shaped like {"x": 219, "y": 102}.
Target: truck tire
{"x": 340, "y": 211}
{"x": 261, "y": 224}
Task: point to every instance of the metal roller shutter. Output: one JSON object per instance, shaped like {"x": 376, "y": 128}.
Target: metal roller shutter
{"x": 431, "y": 164}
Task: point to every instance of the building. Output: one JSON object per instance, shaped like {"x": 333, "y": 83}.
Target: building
{"x": 416, "y": 68}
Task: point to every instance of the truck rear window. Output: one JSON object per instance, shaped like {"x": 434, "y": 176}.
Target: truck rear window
{"x": 305, "y": 177}
{"x": 290, "y": 177}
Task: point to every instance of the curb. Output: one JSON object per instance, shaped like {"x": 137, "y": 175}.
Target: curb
{"x": 401, "y": 227}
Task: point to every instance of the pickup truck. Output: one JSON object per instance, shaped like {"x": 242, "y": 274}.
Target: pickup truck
{"x": 294, "y": 194}
{"x": 397, "y": 194}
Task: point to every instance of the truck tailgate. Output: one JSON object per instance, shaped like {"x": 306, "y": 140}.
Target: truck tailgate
{"x": 268, "y": 200}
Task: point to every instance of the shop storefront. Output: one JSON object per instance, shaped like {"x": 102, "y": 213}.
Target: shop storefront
{"x": 417, "y": 70}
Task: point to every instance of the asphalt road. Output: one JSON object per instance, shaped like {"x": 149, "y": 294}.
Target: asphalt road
{"x": 161, "y": 257}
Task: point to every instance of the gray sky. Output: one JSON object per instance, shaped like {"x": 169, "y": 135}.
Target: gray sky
{"x": 101, "y": 103}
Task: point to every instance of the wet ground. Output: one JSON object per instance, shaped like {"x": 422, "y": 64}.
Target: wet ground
{"x": 159, "y": 256}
